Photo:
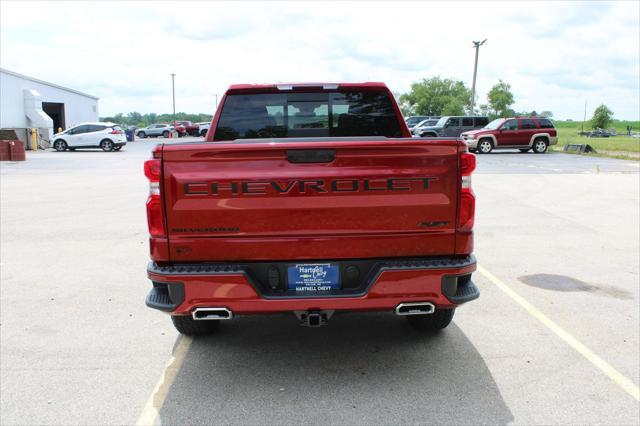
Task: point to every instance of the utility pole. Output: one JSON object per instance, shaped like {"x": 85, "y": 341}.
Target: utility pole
{"x": 173, "y": 91}
{"x": 476, "y": 45}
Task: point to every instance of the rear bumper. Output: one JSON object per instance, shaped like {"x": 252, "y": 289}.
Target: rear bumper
{"x": 180, "y": 288}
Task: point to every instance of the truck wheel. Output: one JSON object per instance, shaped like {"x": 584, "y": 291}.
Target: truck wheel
{"x": 203, "y": 133}
{"x": 142, "y": 135}
{"x": 485, "y": 146}
{"x": 540, "y": 146}
{"x": 190, "y": 327}
{"x": 432, "y": 322}
{"x": 165, "y": 134}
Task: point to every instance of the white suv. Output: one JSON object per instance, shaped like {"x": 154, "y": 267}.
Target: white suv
{"x": 203, "y": 128}
{"x": 107, "y": 136}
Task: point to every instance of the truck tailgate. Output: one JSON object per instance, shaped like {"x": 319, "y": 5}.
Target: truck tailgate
{"x": 318, "y": 199}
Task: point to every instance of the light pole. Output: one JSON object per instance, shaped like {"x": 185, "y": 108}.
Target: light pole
{"x": 476, "y": 45}
{"x": 173, "y": 91}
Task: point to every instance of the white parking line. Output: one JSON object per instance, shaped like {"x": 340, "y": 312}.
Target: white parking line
{"x": 626, "y": 384}
{"x": 149, "y": 415}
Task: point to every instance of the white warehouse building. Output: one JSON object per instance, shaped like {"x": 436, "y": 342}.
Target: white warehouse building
{"x": 27, "y": 103}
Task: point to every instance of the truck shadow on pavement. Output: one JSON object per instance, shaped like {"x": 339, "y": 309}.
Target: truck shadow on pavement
{"x": 362, "y": 368}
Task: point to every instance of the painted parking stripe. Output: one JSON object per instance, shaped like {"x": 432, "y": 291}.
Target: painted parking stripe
{"x": 149, "y": 415}
{"x": 613, "y": 374}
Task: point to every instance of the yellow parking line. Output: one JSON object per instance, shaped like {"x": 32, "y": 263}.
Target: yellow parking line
{"x": 622, "y": 381}
{"x": 149, "y": 415}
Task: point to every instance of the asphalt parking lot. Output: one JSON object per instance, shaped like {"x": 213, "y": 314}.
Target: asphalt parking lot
{"x": 554, "y": 337}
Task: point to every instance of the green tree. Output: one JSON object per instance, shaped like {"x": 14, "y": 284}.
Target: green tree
{"x": 436, "y": 96}
{"x": 500, "y": 99}
{"x": 602, "y": 116}
{"x": 485, "y": 110}
{"x": 454, "y": 107}
{"x": 546, "y": 114}
{"x": 142, "y": 120}
{"x": 134, "y": 117}
{"x": 405, "y": 108}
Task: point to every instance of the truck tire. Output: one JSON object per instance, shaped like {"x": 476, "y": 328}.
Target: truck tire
{"x": 203, "y": 133}
{"x": 540, "y": 145}
{"x": 432, "y": 322}
{"x": 190, "y": 327}
{"x": 142, "y": 135}
{"x": 165, "y": 134}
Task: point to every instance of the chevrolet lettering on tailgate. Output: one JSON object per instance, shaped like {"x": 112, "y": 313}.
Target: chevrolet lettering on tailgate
{"x": 306, "y": 186}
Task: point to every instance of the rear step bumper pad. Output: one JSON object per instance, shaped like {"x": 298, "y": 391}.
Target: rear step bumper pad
{"x": 460, "y": 289}
{"x": 165, "y": 296}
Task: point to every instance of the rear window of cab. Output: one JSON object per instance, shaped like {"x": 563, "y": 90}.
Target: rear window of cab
{"x": 317, "y": 114}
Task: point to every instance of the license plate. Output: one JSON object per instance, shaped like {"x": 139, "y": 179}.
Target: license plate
{"x": 313, "y": 277}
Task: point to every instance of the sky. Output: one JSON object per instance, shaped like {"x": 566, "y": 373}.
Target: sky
{"x": 555, "y": 55}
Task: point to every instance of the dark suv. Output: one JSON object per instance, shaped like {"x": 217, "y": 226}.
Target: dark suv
{"x": 452, "y": 126}
{"x": 523, "y": 133}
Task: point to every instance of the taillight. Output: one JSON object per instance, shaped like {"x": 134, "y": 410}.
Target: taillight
{"x": 155, "y": 219}
{"x": 467, "y": 201}
{"x": 116, "y": 132}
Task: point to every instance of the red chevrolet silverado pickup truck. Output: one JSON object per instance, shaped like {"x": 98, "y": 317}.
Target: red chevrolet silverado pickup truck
{"x": 312, "y": 199}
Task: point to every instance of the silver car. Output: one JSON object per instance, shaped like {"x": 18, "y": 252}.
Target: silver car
{"x": 155, "y": 130}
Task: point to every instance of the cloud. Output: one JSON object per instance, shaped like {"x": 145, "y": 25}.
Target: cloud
{"x": 554, "y": 55}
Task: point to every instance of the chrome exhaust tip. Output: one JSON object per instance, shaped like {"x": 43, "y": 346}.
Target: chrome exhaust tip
{"x": 211, "y": 314}
{"x": 415, "y": 308}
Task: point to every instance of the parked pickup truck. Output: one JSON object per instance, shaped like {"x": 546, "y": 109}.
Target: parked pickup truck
{"x": 191, "y": 129}
{"x": 312, "y": 199}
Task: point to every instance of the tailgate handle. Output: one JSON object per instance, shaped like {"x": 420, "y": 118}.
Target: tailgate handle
{"x": 311, "y": 155}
